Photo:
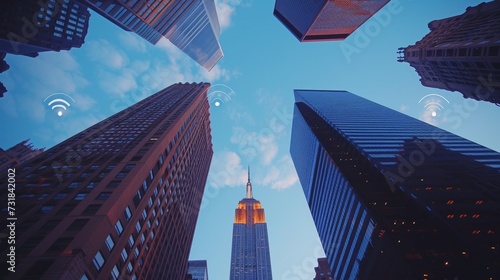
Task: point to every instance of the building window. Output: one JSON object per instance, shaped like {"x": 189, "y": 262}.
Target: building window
{"x": 124, "y": 254}
{"x": 109, "y": 242}
{"x": 131, "y": 240}
{"x": 98, "y": 260}
{"x": 128, "y": 213}
{"x": 119, "y": 227}
{"x": 77, "y": 224}
{"x": 136, "y": 252}
{"x": 103, "y": 196}
{"x": 81, "y": 196}
{"x": 91, "y": 209}
{"x": 46, "y": 209}
{"x": 129, "y": 267}
{"x": 138, "y": 226}
{"x": 144, "y": 214}
{"x": 115, "y": 273}
{"x": 84, "y": 277}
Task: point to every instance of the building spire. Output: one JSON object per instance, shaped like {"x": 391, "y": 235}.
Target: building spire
{"x": 249, "y": 185}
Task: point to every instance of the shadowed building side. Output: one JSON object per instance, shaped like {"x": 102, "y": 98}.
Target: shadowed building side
{"x": 393, "y": 197}
{"x": 461, "y": 53}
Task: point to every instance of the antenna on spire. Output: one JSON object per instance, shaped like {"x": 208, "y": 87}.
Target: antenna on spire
{"x": 249, "y": 185}
{"x": 249, "y": 174}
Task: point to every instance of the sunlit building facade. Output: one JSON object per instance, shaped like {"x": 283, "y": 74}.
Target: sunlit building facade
{"x": 250, "y": 258}
{"x": 191, "y": 25}
{"x": 461, "y": 53}
{"x": 119, "y": 200}
{"x": 325, "y": 20}
{"x": 393, "y": 197}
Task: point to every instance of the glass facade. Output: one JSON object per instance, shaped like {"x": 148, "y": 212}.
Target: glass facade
{"x": 391, "y": 193}
{"x": 321, "y": 20}
{"x": 191, "y": 25}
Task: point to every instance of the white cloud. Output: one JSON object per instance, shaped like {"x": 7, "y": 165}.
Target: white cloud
{"x": 118, "y": 84}
{"x": 403, "y": 108}
{"x": 282, "y": 174}
{"x": 225, "y": 11}
{"x": 226, "y": 170}
{"x": 255, "y": 144}
{"x": 103, "y": 52}
{"x": 132, "y": 41}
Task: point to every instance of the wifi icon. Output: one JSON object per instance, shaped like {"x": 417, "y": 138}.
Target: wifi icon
{"x": 59, "y": 102}
{"x": 432, "y": 103}
{"x": 219, "y": 94}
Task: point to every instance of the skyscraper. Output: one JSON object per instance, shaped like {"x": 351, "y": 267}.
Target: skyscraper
{"x": 324, "y": 20}
{"x": 18, "y": 154}
{"x": 250, "y": 259}
{"x": 190, "y": 25}
{"x": 198, "y": 270}
{"x": 29, "y": 27}
{"x": 461, "y": 53}
{"x": 120, "y": 199}
{"x": 323, "y": 271}
{"x": 393, "y": 197}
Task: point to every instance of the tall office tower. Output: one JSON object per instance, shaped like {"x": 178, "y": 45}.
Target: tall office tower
{"x": 198, "y": 270}
{"x": 120, "y": 199}
{"x": 393, "y": 197}
{"x": 190, "y": 25}
{"x": 323, "y": 271}
{"x": 18, "y": 154}
{"x": 325, "y": 20}
{"x": 250, "y": 259}
{"x": 28, "y": 27}
{"x": 461, "y": 53}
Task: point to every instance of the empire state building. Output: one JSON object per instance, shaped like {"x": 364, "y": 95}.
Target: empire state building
{"x": 250, "y": 259}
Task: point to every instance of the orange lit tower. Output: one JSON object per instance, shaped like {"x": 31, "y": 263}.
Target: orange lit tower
{"x": 250, "y": 259}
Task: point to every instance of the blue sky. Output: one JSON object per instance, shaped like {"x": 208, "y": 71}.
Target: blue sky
{"x": 254, "y": 83}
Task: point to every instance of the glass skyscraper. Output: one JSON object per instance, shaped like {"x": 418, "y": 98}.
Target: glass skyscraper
{"x": 250, "y": 259}
{"x": 191, "y": 25}
{"x": 393, "y": 197}
{"x": 323, "y": 20}
{"x": 119, "y": 200}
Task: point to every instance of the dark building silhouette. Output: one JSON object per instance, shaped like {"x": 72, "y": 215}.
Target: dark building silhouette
{"x": 119, "y": 200}
{"x": 393, "y": 197}
{"x": 197, "y": 270}
{"x": 324, "y": 20}
{"x": 18, "y": 154}
{"x": 323, "y": 271}
{"x": 191, "y": 25}
{"x": 3, "y": 67}
{"x": 29, "y": 27}
{"x": 250, "y": 258}
{"x": 461, "y": 53}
